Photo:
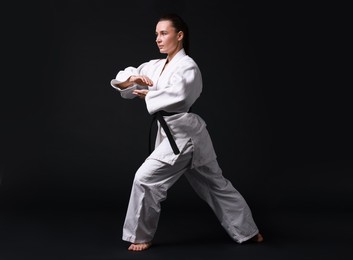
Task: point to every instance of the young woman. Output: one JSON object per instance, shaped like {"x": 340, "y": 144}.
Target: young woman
{"x": 170, "y": 87}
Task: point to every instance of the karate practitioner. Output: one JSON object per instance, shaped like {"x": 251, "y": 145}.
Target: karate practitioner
{"x": 169, "y": 88}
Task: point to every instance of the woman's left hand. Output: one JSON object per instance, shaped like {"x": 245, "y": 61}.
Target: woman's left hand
{"x": 141, "y": 93}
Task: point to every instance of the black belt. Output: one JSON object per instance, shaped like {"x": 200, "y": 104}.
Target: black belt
{"x": 159, "y": 116}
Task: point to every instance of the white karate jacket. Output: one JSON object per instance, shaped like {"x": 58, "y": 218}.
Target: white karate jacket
{"x": 175, "y": 90}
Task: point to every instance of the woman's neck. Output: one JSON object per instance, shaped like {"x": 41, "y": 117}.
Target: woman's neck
{"x": 172, "y": 54}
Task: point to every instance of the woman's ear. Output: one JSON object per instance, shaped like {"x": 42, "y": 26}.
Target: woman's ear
{"x": 180, "y": 35}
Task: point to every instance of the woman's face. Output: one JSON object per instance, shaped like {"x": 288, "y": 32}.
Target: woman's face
{"x": 168, "y": 40}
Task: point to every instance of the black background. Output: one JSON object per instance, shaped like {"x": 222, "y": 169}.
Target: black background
{"x": 276, "y": 101}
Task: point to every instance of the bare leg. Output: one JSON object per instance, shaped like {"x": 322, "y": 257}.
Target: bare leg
{"x": 139, "y": 246}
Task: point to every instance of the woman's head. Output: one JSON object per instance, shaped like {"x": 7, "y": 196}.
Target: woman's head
{"x": 172, "y": 34}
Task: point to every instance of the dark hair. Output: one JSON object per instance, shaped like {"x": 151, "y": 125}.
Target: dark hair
{"x": 179, "y": 25}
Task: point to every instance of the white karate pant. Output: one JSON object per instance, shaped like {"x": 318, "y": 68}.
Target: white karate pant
{"x": 154, "y": 178}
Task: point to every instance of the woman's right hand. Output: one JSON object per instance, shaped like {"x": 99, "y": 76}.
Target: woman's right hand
{"x": 141, "y": 80}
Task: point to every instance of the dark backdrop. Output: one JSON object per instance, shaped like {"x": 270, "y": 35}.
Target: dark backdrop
{"x": 274, "y": 100}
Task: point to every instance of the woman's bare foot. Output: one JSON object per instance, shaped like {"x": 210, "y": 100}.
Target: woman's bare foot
{"x": 139, "y": 246}
{"x": 257, "y": 238}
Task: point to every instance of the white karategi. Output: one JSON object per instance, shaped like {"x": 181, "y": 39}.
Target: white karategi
{"x": 175, "y": 90}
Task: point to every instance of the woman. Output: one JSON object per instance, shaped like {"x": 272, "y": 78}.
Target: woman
{"x": 170, "y": 87}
